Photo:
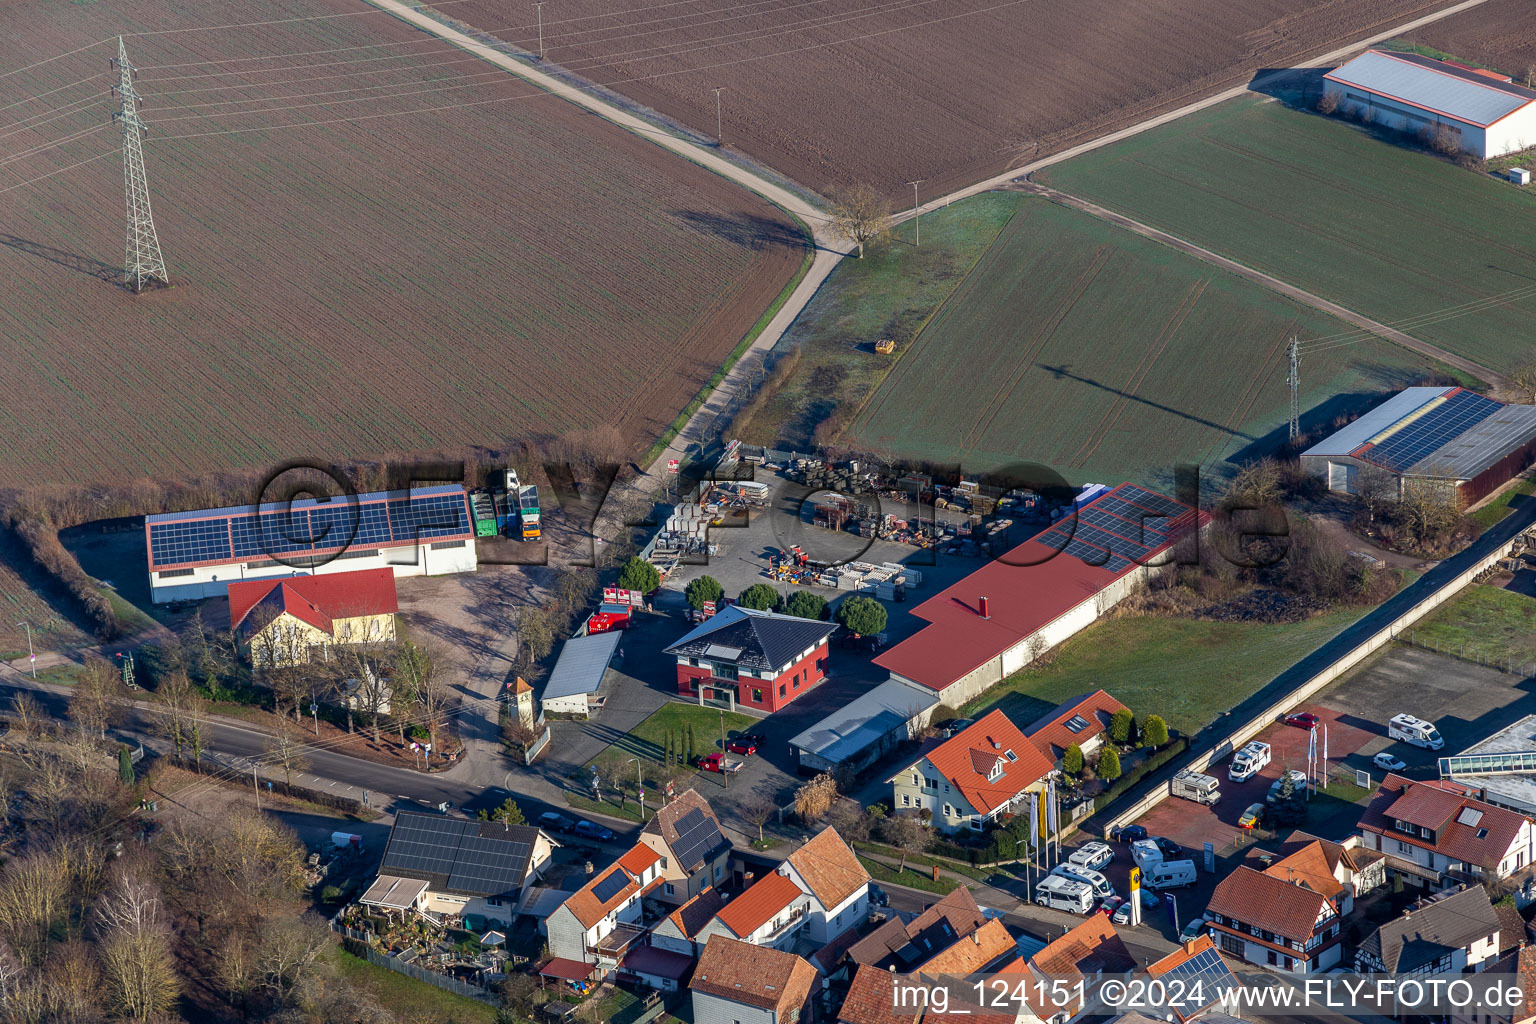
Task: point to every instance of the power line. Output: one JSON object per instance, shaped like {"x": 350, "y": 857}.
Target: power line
{"x": 61, "y": 170}
{"x": 61, "y": 56}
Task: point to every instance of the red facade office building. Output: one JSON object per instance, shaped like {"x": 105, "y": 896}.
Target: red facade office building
{"x": 762, "y": 659}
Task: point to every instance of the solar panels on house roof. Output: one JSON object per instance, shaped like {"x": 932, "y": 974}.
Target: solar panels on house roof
{"x": 308, "y": 527}
{"x": 485, "y": 864}
{"x": 1120, "y": 528}
{"x": 697, "y": 837}
{"x": 459, "y": 855}
{"x": 1470, "y": 816}
{"x": 610, "y": 885}
{"x": 1414, "y": 438}
{"x": 1206, "y": 973}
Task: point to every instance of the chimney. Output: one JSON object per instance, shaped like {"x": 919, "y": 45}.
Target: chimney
{"x": 1189, "y": 946}
{"x": 986, "y": 610}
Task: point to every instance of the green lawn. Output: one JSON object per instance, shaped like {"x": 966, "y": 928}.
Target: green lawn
{"x": 408, "y": 998}
{"x": 1500, "y": 506}
{"x": 919, "y": 879}
{"x": 1186, "y": 670}
{"x": 889, "y": 293}
{"x": 1387, "y": 230}
{"x": 648, "y": 739}
{"x": 1483, "y": 622}
{"x": 924, "y": 860}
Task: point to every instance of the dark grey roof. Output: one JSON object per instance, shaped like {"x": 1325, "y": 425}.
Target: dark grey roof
{"x": 753, "y": 639}
{"x": 583, "y": 662}
{"x": 1479, "y": 446}
{"x": 459, "y": 855}
{"x": 1427, "y": 932}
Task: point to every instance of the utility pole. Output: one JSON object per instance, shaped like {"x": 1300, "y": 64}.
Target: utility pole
{"x": 540, "y": 8}
{"x": 725, "y": 776}
{"x": 719, "y": 123}
{"x": 256, "y": 785}
{"x": 917, "y": 221}
{"x": 143, "y": 262}
{"x": 1293, "y": 379}
{"x": 31, "y": 654}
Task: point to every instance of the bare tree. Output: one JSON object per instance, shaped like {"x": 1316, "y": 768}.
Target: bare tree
{"x": 95, "y": 702}
{"x": 862, "y": 214}
{"x": 433, "y": 695}
{"x": 535, "y": 632}
{"x": 372, "y": 690}
{"x": 1523, "y": 377}
{"x": 135, "y": 951}
{"x": 34, "y": 895}
{"x": 850, "y": 820}
{"x": 757, "y": 809}
{"x": 174, "y": 695}
{"x": 1376, "y": 488}
{"x": 287, "y": 754}
{"x": 907, "y": 834}
{"x": 290, "y": 685}
{"x": 26, "y": 714}
{"x": 289, "y": 952}
{"x": 197, "y": 726}
{"x": 814, "y": 799}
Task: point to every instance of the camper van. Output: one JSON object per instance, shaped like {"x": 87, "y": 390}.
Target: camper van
{"x": 1066, "y": 894}
{"x": 1089, "y": 877}
{"x": 1145, "y": 853}
{"x": 1191, "y": 785}
{"x": 1170, "y": 874}
{"x": 1415, "y": 731}
{"x": 1249, "y": 761}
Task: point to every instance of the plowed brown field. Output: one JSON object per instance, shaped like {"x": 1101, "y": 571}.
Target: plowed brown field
{"x": 886, "y": 91}
{"x": 450, "y": 257}
{"x": 1500, "y": 34}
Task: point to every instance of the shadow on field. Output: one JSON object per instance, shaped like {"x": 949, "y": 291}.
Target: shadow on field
{"x": 69, "y": 260}
{"x": 747, "y": 230}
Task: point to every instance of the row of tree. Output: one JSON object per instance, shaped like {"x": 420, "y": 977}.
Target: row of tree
{"x": 857, "y": 613}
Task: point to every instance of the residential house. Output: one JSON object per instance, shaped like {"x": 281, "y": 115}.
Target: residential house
{"x": 978, "y": 775}
{"x": 298, "y": 619}
{"x": 873, "y": 998}
{"x": 985, "y": 949}
{"x": 1356, "y": 868}
{"x": 1446, "y": 933}
{"x": 1088, "y": 953}
{"x": 741, "y": 983}
{"x": 654, "y": 967}
{"x": 838, "y": 884}
{"x": 678, "y": 932}
{"x": 1285, "y": 916}
{"x": 1083, "y": 720}
{"x": 1196, "y": 960}
{"x": 601, "y": 921}
{"x": 1437, "y": 833}
{"x": 762, "y": 660}
{"x": 903, "y": 947}
{"x": 687, "y": 837}
{"x": 1517, "y": 969}
{"x": 771, "y": 912}
{"x": 454, "y": 868}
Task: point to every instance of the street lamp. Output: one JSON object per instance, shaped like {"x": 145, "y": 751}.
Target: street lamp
{"x": 31, "y": 655}
{"x": 639, "y": 784}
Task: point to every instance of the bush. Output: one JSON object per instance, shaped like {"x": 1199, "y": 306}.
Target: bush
{"x": 330, "y": 894}
{"x": 1108, "y": 768}
{"x": 1122, "y": 725}
{"x": 705, "y": 588}
{"x": 803, "y": 604}
{"x": 1139, "y": 772}
{"x": 862, "y": 615}
{"x": 1154, "y": 732}
{"x": 760, "y": 597}
{"x": 418, "y": 733}
{"x": 638, "y": 574}
{"x": 1328, "y": 103}
{"x": 1072, "y": 760}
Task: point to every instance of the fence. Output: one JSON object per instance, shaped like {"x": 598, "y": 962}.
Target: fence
{"x": 537, "y": 747}
{"x": 1524, "y": 669}
{"x": 358, "y": 946}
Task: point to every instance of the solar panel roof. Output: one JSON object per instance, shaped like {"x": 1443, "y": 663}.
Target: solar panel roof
{"x": 697, "y": 837}
{"x": 1119, "y": 528}
{"x": 1205, "y": 973}
{"x": 610, "y": 885}
{"x": 459, "y": 855}
{"x": 1413, "y": 440}
{"x": 381, "y": 519}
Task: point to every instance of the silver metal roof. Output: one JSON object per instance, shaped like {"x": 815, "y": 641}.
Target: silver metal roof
{"x": 1401, "y": 405}
{"x": 1441, "y": 91}
{"x": 856, "y": 725}
{"x": 583, "y": 660}
{"x": 1480, "y": 446}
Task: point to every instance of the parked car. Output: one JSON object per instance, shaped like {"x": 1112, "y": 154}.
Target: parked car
{"x": 1251, "y": 816}
{"x": 1169, "y": 849}
{"x": 1122, "y": 913}
{"x": 1127, "y": 833}
{"x": 1386, "y": 762}
{"x": 757, "y": 739}
{"x": 549, "y": 821}
{"x": 1193, "y": 929}
{"x": 592, "y": 830}
{"x": 742, "y": 745}
{"x": 718, "y": 762}
{"x": 1109, "y": 906}
{"x": 1298, "y": 779}
{"x": 877, "y": 896}
{"x": 1301, "y": 720}
{"x": 1092, "y": 855}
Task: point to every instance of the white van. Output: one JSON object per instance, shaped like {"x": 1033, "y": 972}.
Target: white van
{"x": 1249, "y": 761}
{"x": 1192, "y": 785}
{"x": 1089, "y": 877}
{"x": 1066, "y": 894}
{"x": 1171, "y": 874}
{"x": 1145, "y": 853}
{"x": 1415, "y": 732}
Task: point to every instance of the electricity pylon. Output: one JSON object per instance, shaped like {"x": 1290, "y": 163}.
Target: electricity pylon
{"x": 1293, "y": 379}
{"x": 143, "y": 262}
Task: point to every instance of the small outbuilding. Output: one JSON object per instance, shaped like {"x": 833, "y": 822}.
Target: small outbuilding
{"x": 579, "y": 673}
{"x": 859, "y": 732}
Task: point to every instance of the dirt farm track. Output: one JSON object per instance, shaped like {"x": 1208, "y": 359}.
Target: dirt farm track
{"x": 376, "y": 244}
{"x": 834, "y": 91}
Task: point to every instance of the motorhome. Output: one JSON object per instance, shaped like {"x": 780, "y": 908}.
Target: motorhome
{"x": 1191, "y": 785}
{"x": 1089, "y": 877}
{"x": 1170, "y": 874}
{"x": 1145, "y": 853}
{"x": 1066, "y": 894}
{"x": 1415, "y": 732}
{"x": 1249, "y": 761}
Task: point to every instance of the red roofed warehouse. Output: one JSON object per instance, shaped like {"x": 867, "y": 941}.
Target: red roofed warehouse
{"x": 290, "y": 621}
{"x": 984, "y": 628}
{"x": 981, "y": 773}
{"x": 760, "y": 659}
{"x": 1484, "y": 114}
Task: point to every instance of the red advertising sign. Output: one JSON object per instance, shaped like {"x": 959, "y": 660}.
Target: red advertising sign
{"x": 672, "y": 465}
{"x": 709, "y": 608}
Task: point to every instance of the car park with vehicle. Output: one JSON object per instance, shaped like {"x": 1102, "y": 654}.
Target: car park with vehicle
{"x": 1193, "y": 785}
{"x": 1169, "y": 874}
{"x": 1145, "y": 853}
{"x": 1089, "y": 877}
{"x": 1415, "y": 731}
{"x": 1094, "y": 855}
{"x": 1298, "y": 780}
{"x": 1301, "y": 720}
{"x": 1060, "y": 893}
{"x": 1170, "y": 849}
{"x": 742, "y": 745}
{"x": 1127, "y": 833}
{"x": 1251, "y": 816}
{"x": 1387, "y": 763}
{"x": 550, "y": 821}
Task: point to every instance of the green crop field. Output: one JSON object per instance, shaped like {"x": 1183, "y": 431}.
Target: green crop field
{"x": 1079, "y": 345}
{"x": 1406, "y": 238}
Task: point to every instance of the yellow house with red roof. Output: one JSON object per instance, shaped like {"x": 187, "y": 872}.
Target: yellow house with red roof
{"x": 985, "y": 771}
